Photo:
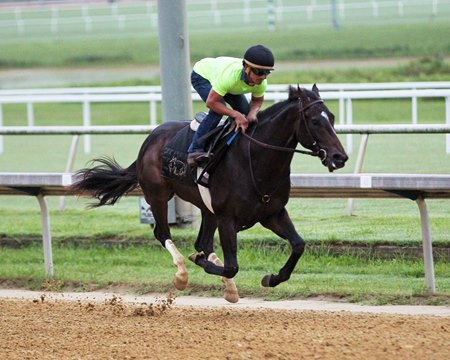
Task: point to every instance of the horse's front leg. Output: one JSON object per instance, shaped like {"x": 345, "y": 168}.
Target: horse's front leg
{"x": 205, "y": 247}
{"x": 230, "y": 293}
{"x": 282, "y": 225}
{"x": 213, "y": 265}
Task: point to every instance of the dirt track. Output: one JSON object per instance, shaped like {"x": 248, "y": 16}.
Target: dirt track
{"x": 42, "y": 327}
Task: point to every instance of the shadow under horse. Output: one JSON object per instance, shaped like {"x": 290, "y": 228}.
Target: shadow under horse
{"x": 250, "y": 185}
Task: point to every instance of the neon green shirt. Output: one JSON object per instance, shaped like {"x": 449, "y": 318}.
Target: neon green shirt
{"x": 227, "y": 76}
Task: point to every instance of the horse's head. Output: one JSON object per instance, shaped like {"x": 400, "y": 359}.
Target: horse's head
{"x": 316, "y": 128}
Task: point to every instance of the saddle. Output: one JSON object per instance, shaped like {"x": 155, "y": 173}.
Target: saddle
{"x": 215, "y": 142}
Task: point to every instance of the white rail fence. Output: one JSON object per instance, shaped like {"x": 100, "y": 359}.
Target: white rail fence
{"x": 77, "y": 131}
{"x": 91, "y": 17}
{"x": 345, "y": 94}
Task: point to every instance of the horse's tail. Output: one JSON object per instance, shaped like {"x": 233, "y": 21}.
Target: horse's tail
{"x": 107, "y": 182}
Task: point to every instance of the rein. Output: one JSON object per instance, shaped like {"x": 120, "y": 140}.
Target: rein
{"x": 265, "y": 198}
{"x": 281, "y": 148}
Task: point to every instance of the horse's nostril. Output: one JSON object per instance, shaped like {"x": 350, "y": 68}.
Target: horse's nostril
{"x": 338, "y": 157}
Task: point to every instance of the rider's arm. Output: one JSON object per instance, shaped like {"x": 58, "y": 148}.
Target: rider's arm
{"x": 255, "y": 105}
{"x": 214, "y": 102}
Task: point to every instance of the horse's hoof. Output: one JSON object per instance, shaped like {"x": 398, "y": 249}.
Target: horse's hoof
{"x": 266, "y": 281}
{"x": 180, "y": 281}
{"x": 195, "y": 256}
{"x": 230, "y": 293}
{"x": 231, "y": 296}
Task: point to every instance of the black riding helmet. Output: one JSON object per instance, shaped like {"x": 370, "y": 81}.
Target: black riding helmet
{"x": 260, "y": 57}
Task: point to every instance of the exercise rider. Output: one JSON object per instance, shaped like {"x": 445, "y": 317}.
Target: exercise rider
{"x": 226, "y": 80}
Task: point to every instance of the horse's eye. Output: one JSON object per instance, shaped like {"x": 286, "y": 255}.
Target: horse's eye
{"x": 315, "y": 121}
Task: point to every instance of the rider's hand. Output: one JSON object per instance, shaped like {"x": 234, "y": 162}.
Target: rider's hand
{"x": 241, "y": 122}
{"x": 251, "y": 117}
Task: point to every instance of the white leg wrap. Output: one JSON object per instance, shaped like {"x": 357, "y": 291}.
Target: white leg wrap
{"x": 181, "y": 277}
{"x": 230, "y": 293}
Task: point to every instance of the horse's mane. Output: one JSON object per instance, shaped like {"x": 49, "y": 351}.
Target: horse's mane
{"x": 294, "y": 95}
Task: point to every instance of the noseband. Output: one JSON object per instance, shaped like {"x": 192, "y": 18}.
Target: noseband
{"x": 320, "y": 152}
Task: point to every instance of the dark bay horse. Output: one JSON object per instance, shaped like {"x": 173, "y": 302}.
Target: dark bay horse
{"x": 250, "y": 185}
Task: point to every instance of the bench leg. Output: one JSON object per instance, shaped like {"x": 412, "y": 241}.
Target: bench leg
{"x": 427, "y": 245}
{"x": 358, "y": 167}
{"x": 46, "y": 236}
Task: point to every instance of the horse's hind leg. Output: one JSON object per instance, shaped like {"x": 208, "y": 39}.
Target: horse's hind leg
{"x": 162, "y": 233}
{"x": 181, "y": 276}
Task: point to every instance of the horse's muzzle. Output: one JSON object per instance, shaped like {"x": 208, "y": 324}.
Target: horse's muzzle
{"x": 334, "y": 161}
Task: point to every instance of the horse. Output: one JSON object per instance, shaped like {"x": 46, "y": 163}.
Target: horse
{"x": 250, "y": 185}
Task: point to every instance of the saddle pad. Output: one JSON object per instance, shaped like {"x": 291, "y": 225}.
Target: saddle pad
{"x": 174, "y": 158}
{"x": 175, "y": 153}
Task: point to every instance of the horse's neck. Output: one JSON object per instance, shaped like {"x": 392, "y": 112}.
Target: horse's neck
{"x": 278, "y": 131}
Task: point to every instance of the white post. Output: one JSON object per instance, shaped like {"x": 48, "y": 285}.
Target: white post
{"x": 153, "y": 114}
{"x": 85, "y": 10}
{"x": 54, "y": 20}
{"x": 279, "y": 10}
{"x": 1, "y": 125}
{"x": 341, "y": 7}
{"x": 447, "y": 121}
{"x": 414, "y": 109}
{"x": 87, "y": 19}
{"x": 374, "y": 9}
{"x": 400, "y": 8}
{"x": 69, "y": 165}
{"x": 19, "y": 21}
{"x": 309, "y": 13}
{"x": 215, "y": 12}
{"x": 271, "y": 15}
{"x": 114, "y": 7}
{"x": 30, "y": 114}
{"x": 434, "y": 8}
{"x": 246, "y": 11}
{"x": 427, "y": 245}
{"x": 46, "y": 236}
{"x": 341, "y": 108}
{"x": 349, "y": 121}
{"x": 149, "y": 8}
{"x": 358, "y": 167}
{"x": 87, "y": 122}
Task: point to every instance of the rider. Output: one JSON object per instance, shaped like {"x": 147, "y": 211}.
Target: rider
{"x": 225, "y": 80}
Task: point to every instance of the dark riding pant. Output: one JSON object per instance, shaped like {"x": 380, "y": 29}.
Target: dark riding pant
{"x": 203, "y": 87}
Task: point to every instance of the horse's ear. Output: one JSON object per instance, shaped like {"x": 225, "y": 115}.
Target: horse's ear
{"x": 315, "y": 90}
{"x": 293, "y": 92}
{"x": 302, "y": 96}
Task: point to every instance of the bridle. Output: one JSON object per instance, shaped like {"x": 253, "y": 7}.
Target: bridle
{"x": 319, "y": 152}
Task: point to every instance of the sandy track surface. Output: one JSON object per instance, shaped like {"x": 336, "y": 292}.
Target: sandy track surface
{"x": 35, "y": 325}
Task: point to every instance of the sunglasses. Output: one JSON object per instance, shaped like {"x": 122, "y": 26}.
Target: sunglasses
{"x": 260, "y": 72}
